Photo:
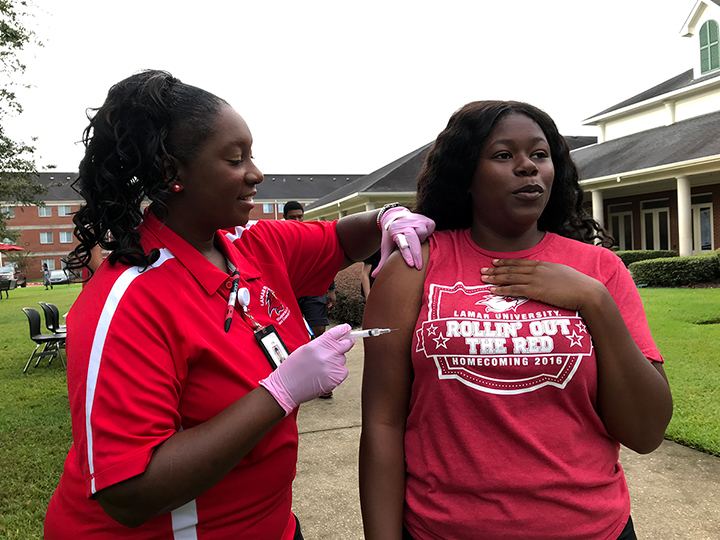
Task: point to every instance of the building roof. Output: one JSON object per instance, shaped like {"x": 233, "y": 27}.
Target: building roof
{"x": 683, "y": 80}
{"x": 59, "y": 193}
{"x": 286, "y": 187}
{"x": 398, "y": 176}
{"x": 686, "y": 140}
{"x": 279, "y": 187}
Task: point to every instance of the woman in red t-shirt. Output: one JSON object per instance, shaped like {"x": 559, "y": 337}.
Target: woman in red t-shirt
{"x": 523, "y": 358}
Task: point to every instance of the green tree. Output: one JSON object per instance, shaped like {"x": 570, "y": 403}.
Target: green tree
{"x": 18, "y": 169}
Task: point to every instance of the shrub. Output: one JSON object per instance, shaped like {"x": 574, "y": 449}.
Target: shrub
{"x": 676, "y": 271}
{"x": 350, "y": 302}
{"x": 629, "y": 257}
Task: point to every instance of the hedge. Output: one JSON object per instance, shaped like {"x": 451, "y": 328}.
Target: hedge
{"x": 350, "y": 304}
{"x": 629, "y": 257}
{"x": 676, "y": 271}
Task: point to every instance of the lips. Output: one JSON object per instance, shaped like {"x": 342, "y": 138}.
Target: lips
{"x": 530, "y": 188}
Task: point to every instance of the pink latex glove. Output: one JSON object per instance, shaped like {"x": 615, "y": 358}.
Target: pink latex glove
{"x": 406, "y": 230}
{"x": 313, "y": 369}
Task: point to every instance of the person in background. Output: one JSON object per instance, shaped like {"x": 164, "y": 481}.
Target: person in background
{"x": 187, "y": 353}
{"x": 523, "y": 358}
{"x": 46, "y": 276}
{"x": 367, "y": 277}
{"x": 314, "y": 308}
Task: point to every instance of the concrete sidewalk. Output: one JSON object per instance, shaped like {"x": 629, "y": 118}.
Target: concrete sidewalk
{"x": 675, "y": 491}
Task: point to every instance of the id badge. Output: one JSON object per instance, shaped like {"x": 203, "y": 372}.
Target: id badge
{"x": 272, "y": 345}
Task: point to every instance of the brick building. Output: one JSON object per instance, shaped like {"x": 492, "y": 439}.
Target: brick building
{"x": 46, "y": 232}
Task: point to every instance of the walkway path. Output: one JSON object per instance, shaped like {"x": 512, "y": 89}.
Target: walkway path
{"x": 675, "y": 491}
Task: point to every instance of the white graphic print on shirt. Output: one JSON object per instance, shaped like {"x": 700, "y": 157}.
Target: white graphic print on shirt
{"x": 501, "y": 345}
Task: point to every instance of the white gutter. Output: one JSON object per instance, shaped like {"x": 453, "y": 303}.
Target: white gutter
{"x": 692, "y": 166}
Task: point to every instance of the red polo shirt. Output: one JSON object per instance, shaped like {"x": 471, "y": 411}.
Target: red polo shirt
{"x": 148, "y": 355}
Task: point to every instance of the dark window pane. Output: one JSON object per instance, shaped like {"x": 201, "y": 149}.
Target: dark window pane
{"x": 649, "y": 244}
{"x": 663, "y": 226}
{"x": 659, "y": 203}
{"x": 712, "y": 32}
{"x": 628, "y": 232}
{"x": 699, "y": 199}
{"x": 714, "y": 57}
{"x": 704, "y": 35}
{"x": 617, "y": 208}
{"x": 704, "y": 60}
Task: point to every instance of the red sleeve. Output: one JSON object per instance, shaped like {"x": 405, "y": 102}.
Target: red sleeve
{"x": 626, "y": 296}
{"x": 310, "y": 252}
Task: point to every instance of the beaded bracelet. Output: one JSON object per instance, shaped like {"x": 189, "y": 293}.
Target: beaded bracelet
{"x": 385, "y": 209}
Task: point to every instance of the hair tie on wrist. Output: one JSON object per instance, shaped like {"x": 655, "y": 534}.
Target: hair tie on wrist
{"x": 385, "y": 209}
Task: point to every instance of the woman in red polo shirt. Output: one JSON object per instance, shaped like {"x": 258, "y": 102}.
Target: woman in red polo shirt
{"x": 183, "y": 410}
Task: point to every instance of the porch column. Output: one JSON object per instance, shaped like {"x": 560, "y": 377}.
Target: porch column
{"x": 684, "y": 215}
{"x": 598, "y": 213}
{"x": 369, "y": 206}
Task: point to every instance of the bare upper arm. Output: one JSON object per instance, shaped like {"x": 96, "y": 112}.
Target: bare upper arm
{"x": 395, "y": 302}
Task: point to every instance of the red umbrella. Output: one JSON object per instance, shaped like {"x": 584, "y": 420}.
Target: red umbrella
{"x": 8, "y": 247}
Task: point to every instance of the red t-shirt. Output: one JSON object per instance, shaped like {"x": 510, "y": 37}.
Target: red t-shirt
{"x": 148, "y": 355}
{"x": 503, "y": 440}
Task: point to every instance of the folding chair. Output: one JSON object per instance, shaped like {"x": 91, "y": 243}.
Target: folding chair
{"x": 51, "y": 343}
{"x": 52, "y": 318}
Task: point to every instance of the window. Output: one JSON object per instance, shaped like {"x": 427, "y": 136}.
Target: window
{"x": 702, "y": 223}
{"x": 709, "y": 48}
{"x": 64, "y": 211}
{"x": 655, "y": 225}
{"x": 281, "y": 207}
{"x": 268, "y": 208}
{"x": 7, "y": 212}
{"x": 45, "y": 211}
{"x": 65, "y": 237}
{"x": 50, "y": 263}
{"x": 621, "y": 225}
{"x": 46, "y": 238}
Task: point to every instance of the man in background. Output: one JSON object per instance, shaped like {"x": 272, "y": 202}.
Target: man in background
{"x": 314, "y": 308}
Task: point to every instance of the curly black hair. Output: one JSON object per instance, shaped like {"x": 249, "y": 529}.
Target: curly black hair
{"x": 146, "y": 120}
{"x": 449, "y": 167}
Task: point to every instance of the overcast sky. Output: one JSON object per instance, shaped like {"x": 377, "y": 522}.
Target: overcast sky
{"x": 347, "y": 87}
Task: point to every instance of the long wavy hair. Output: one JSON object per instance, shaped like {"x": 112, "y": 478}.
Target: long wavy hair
{"x": 444, "y": 181}
{"x": 146, "y": 120}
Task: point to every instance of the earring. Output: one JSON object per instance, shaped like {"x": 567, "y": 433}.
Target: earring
{"x": 177, "y": 188}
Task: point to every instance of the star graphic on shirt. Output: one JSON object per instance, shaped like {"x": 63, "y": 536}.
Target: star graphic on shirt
{"x": 575, "y": 339}
{"x": 441, "y": 341}
{"x": 431, "y": 330}
{"x": 581, "y": 327}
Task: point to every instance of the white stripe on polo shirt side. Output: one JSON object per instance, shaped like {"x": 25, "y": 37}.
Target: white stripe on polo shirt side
{"x": 111, "y": 302}
{"x": 184, "y": 520}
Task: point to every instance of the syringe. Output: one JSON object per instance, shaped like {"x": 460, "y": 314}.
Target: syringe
{"x": 370, "y": 332}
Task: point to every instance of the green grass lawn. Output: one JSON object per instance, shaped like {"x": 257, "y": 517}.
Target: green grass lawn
{"x": 686, "y": 326}
{"x": 35, "y": 421}
{"x": 34, "y": 416}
